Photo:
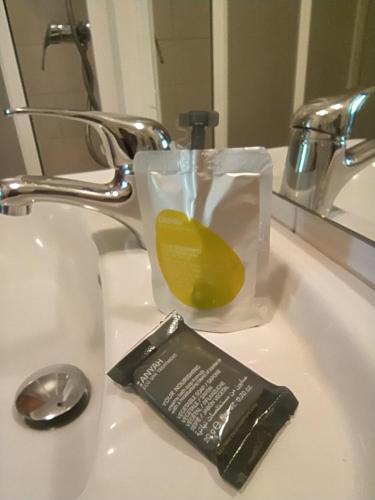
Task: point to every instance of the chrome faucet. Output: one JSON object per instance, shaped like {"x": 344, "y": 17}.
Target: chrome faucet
{"x": 122, "y": 137}
{"x": 319, "y": 161}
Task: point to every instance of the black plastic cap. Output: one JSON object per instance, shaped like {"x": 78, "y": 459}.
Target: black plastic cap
{"x": 198, "y": 121}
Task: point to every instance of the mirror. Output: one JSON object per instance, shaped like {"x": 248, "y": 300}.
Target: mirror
{"x": 280, "y": 55}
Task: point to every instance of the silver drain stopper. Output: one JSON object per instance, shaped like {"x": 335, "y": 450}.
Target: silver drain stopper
{"x": 53, "y": 396}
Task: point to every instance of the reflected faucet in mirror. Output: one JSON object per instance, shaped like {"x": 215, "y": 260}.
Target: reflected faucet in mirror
{"x": 320, "y": 161}
{"x": 121, "y": 137}
{"x": 63, "y": 33}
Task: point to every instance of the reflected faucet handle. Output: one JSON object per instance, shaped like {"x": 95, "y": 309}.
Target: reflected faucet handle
{"x": 55, "y": 33}
{"x": 63, "y": 33}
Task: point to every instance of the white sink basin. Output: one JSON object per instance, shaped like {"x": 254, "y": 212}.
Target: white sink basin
{"x": 320, "y": 344}
{"x": 51, "y": 312}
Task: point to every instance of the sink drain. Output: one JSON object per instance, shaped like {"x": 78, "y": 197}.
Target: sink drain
{"x": 53, "y": 396}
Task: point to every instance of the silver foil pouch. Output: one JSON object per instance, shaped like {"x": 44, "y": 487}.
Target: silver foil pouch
{"x": 206, "y": 216}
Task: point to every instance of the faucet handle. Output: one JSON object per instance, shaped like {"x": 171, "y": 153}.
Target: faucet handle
{"x": 122, "y": 136}
{"x": 55, "y": 33}
{"x": 63, "y": 33}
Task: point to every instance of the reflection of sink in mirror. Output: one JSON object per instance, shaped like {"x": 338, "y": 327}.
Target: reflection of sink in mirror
{"x": 354, "y": 207}
{"x": 52, "y": 313}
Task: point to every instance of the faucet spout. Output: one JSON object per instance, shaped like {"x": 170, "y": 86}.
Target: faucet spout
{"x": 117, "y": 198}
{"x": 122, "y": 137}
{"x": 320, "y": 161}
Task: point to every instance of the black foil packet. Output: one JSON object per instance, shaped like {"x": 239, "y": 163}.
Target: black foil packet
{"x": 227, "y": 411}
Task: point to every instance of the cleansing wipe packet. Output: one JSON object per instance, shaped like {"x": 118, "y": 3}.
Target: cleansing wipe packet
{"x": 206, "y": 216}
{"x": 223, "y": 408}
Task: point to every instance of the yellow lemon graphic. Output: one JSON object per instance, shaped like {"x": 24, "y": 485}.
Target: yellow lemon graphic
{"x": 201, "y": 270}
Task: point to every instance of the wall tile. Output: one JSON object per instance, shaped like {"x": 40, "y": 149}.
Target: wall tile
{"x": 73, "y": 101}
{"x": 48, "y": 127}
{"x": 162, "y": 10}
{"x": 66, "y": 156}
{"x": 36, "y": 81}
{"x": 26, "y": 23}
{"x": 51, "y": 11}
{"x": 63, "y": 68}
{"x": 191, "y": 19}
{"x": 61, "y": 143}
{"x": 179, "y": 19}
{"x": 183, "y": 30}
{"x": 185, "y": 61}
{"x": 262, "y": 41}
{"x": 11, "y": 160}
{"x": 62, "y": 73}
{"x": 77, "y": 155}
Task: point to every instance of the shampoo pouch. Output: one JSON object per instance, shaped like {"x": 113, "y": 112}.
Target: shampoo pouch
{"x": 206, "y": 216}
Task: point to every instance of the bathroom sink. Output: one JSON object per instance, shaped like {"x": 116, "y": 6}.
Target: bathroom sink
{"x": 51, "y": 308}
{"x": 320, "y": 343}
